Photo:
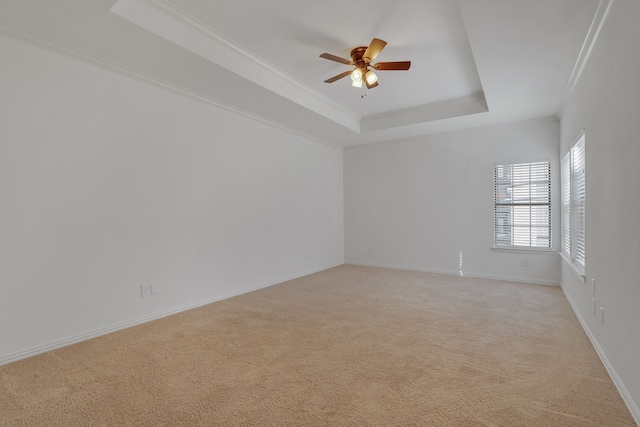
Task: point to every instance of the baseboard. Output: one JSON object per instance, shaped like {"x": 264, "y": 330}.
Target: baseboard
{"x": 457, "y": 273}
{"x": 622, "y": 389}
{"x": 24, "y": 354}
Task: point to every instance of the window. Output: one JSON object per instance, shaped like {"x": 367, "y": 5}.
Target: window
{"x": 523, "y": 205}
{"x": 573, "y": 205}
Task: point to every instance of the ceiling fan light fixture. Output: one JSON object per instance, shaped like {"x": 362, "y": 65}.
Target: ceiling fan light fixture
{"x": 361, "y": 58}
{"x": 356, "y": 76}
{"x": 371, "y": 77}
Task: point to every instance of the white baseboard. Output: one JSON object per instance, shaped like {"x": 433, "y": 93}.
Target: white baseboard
{"x": 457, "y": 273}
{"x": 622, "y": 389}
{"x": 34, "y": 351}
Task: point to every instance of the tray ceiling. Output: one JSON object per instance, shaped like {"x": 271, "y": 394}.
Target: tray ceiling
{"x": 474, "y": 62}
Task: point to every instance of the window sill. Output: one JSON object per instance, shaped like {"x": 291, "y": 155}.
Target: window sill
{"x": 578, "y": 269}
{"x": 523, "y": 250}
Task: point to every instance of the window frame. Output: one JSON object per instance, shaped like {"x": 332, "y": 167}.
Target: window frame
{"x": 546, "y": 164}
{"x": 574, "y": 201}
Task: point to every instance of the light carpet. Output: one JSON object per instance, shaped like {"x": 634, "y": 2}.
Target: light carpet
{"x": 349, "y": 346}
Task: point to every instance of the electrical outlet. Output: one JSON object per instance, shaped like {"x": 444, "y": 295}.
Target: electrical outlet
{"x": 154, "y": 288}
{"x": 145, "y": 290}
{"x": 525, "y": 262}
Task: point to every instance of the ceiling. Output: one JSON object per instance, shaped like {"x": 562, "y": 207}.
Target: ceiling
{"x": 474, "y": 62}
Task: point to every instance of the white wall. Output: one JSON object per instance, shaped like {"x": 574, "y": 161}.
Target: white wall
{"x": 606, "y": 104}
{"x": 419, "y": 204}
{"x": 108, "y": 183}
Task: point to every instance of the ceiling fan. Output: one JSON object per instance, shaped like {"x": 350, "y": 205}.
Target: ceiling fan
{"x": 361, "y": 58}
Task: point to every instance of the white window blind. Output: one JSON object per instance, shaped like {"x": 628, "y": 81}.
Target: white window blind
{"x": 523, "y": 205}
{"x": 566, "y": 205}
{"x": 574, "y": 204}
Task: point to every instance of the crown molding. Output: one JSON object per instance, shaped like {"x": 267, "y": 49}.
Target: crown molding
{"x": 587, "y": 47}
{"x": 446, "y": 109}
{"x": 166, "y": 20}
{"x": 49, "y": 44}
{"x": 426, "y": 136}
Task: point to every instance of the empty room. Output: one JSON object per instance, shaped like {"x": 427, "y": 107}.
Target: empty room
{"x": 294, "y": 213}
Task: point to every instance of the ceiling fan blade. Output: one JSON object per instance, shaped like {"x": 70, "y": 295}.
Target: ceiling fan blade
{"x": 374, "y": 49}
{"x": 336, "y": 58}
{"x": 338, "y": 77}
{"x": 398, "y": 65}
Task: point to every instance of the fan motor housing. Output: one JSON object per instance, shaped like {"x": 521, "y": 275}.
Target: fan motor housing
{"x": 356, "y": 56}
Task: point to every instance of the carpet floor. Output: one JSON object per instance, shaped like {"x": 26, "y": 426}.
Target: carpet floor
{"x": 348, "y": 346}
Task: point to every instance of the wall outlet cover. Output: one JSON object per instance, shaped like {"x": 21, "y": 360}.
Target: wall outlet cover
{"x": 145, "y": 290}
